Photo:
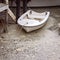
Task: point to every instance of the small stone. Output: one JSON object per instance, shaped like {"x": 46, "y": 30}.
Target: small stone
{"x": 19, "y": 49}
{"x": 59, "y": 25}
{"x": 2, "y": 37}
{"x": 2, "y": 47}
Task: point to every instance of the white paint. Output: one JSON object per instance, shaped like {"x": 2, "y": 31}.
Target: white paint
{"x": 32, "y": 24}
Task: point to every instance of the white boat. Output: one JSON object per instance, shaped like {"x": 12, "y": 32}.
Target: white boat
{"x": 32, "y": 20}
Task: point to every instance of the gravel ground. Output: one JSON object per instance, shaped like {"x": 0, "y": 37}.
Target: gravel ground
{"x": 42, "y": 44}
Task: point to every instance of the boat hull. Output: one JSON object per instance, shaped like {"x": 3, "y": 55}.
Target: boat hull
{"x": 32, "y": 28}
{"x": 29, "y": 28}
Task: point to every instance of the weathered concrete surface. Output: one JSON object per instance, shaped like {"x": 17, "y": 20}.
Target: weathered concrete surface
{"x": 42, "y": 44}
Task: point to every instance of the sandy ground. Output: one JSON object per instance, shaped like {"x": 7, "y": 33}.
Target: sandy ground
{"x": 42, "y": 44}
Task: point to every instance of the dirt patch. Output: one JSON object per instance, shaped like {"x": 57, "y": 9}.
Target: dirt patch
{"x": 56, "y": 25}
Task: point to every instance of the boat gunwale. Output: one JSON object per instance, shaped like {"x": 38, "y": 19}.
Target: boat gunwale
{"x": 42, "y": 22}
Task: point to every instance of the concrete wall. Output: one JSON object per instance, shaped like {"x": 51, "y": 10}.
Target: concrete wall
{"x": 44, "y": 3}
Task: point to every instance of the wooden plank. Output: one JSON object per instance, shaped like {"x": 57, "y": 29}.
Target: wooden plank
{"x": 11, "y": 14}
{"x": 7, "y": 2}
{"x": 3, "y": 7}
